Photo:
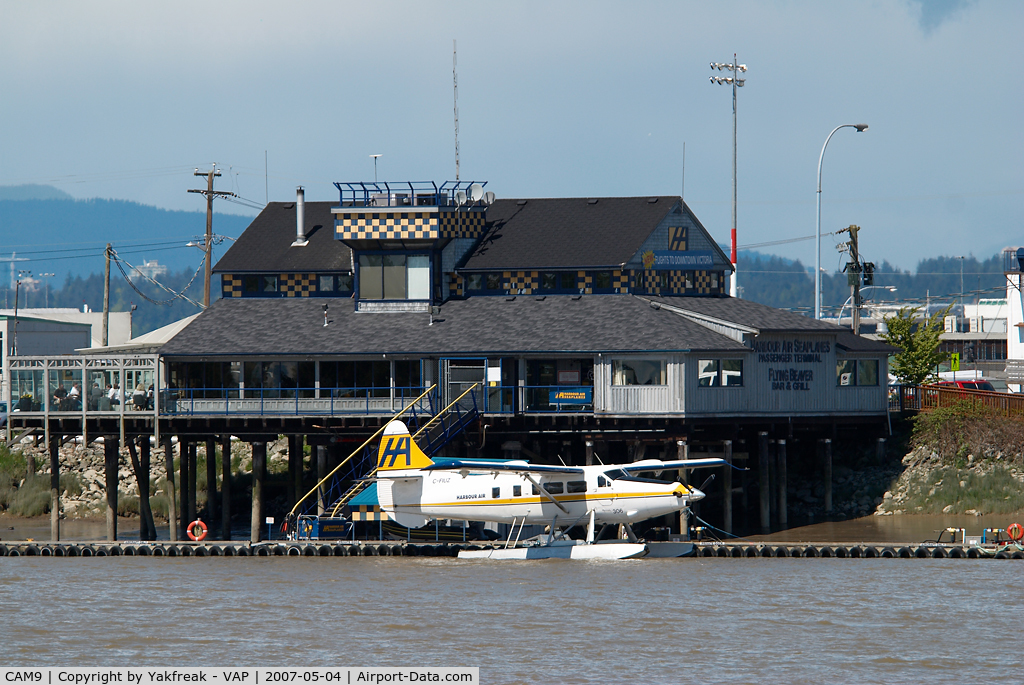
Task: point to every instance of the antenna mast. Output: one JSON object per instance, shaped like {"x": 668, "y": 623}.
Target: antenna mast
{"x": 455, "y": 84}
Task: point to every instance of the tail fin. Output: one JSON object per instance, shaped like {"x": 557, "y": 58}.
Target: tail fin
{"x": 399, "y": 451}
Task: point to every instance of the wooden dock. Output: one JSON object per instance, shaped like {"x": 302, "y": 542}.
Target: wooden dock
{"x": 370, "y": 548}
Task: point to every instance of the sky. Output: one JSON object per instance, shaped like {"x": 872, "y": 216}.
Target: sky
{"x": 555, "y": 99}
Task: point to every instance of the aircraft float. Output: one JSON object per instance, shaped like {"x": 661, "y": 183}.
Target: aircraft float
{"x": 413, "y": 488}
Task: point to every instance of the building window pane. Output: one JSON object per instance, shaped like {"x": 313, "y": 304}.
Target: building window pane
{"x": 344, "y": 283}
{"x": 270, "y": 284}
{"x": 603, "y": 279}
{"x": 326, "y": 284}
{"x": 251, "y": 284}
{"x": 548, "y": 281}
{"x": 394, "y": 277}
{"x": 567, "y": 280}
{"x": 419, "y": 277}
{"x": 845, "y": 369}
{"x": 638, "y": 372}
{"x": 475, "y": 282}
{"x": 732, "y": 372}
{"x": 371, "y": 277}
{"x": 867, "y": 372}
{"x": 707, "y": 373}
{"x": 494, "y": 281}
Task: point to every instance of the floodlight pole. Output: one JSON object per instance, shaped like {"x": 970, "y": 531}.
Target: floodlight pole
{"x": 736, "y": 82}
{"x": 817, "y": 233}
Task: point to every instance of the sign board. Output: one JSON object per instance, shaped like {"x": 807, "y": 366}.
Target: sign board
{"x": 580, "y": 395}
{"x": 678, "y": 260}
{"x": 954, "y": 361}
{"x": 270, "y": 520}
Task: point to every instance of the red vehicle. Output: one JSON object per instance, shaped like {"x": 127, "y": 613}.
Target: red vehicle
{"x": 975, "y": 384}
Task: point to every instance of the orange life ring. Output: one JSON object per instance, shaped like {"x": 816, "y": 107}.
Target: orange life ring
{"x": 1015, "y": 531}
{"x": 196, "y": 525}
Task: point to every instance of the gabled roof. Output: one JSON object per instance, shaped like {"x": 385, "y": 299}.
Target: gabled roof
{"x": 748, "y": 313}
{"x": 266, "y": 245}
{"x": 564, "y": 233}
{"x": 477, "y": 326}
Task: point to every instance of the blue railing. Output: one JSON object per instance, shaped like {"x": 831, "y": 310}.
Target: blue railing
{"x": 289, "y": 401}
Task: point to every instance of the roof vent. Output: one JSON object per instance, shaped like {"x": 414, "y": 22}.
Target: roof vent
{"x": 651, "y": 200}
{"x": 300, "y": 218}
{"x": 576, "y": 297}
{"x": 541, "y": 298}
{"x": 510, "y": 299}
{"x": 521, "y": 202}
{"x": 592, "y": 201}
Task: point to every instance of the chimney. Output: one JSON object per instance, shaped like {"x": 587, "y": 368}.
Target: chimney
{"x": 300, "y": 218}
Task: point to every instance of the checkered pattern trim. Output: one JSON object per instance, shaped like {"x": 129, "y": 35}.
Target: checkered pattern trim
{"x": 296, "y": 285}
{"x": 521, "y": 282}
{"x": 677, "y": 238}
{"x": 462, "y": 224}
{"x": 584, "y": 282}
{"x": 386, "y": 226}
{"x": 456, "y": 284}
{"x": 230, "y": 285}
{"x": 677, "y": 282}
{"x": 651, "y": 281}
{"x": 620, "y": 281}
{"x": 369, "y": 512}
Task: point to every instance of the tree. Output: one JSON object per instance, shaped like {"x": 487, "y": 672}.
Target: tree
{"x": 918, "y": 341}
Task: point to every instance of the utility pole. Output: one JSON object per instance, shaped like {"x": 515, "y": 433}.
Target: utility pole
{"x": 853, "y": 270}
{"x": 210, "y": 193}
{"x": 106, "y": 296}
{"x": 736, "y": 82}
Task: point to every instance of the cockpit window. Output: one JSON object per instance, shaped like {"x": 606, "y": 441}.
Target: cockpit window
{"x": 615, "y": 474}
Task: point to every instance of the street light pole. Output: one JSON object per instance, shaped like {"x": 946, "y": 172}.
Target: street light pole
{"x": 961, "y": 258}
{"x": 817, "y": 233}
{"x": 735, "y": 82}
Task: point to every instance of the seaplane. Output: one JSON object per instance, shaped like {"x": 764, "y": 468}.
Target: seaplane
{"x": 412, "y": 489}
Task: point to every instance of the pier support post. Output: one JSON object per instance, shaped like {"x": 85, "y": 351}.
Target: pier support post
{"x": 225, "y": 487}
{"x": 110, "y": 459}
{"x": 773, "y": 480}
{"x": 827, "y": 469}
{"x": 294, "y": 469}
{"x": 259, "y": 465}
{"x": 682, "y": 451}
{"x": 880, "y": 451}
{"x": 54, "y": 488}
{"x": 321, "y": 473}
{"x": 193, "y": 477}
{"x": 764, "y": 482}
{"x": 727, "y": 484}
{"x": 141, "y": 469}
{"x": 780, "y": 477}
{"x": 590, "y": 452}
{"x": 183, "y": 519}
{"x": 172, "y": 513}
{"x": 211, "y": 481}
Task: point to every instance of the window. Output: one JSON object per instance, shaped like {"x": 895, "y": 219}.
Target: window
{"x": 517, "y": 490}
{"x": 853, "y": 372}
{"x": 714, "y": 280}
{"x": 394, "y": 277}
{"x": 270, "y": 284}
{"x": 576, "y": 486}
{"x": 719, "y": 372}
{"x": 567, "y": 280}
{"x": 553, "y": 488}
{"x": 602, "y": 279}
{"x": 475, "y": 282}
{"x": 343, "y": 283}
{"x": 663, "y": 279}
{"x": 548, "y": 281}
{"x": 326, "y": 284}
{"x": 407, "y": 376}
{"x": 494, "y": 281}
{"x": 495, "y": 493}
{"x": 602, "y": 482}
{"x": 638, "y": 372}
{"x": 251, "y": 284}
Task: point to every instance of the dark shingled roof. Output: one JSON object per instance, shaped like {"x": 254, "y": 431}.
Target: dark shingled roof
{"x": 480, "y": 325}
{"x": 564, "y": 233}
{"x": 266, "y": 245}
{"x": 848, "y": 342}
{"x": 749, "y": 313}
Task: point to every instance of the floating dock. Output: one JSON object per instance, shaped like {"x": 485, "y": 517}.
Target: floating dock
{"x": 866, "y": 550}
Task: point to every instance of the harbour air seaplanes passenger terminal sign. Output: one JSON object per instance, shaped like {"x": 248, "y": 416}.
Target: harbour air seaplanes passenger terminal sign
{"x": 788, "y": 361}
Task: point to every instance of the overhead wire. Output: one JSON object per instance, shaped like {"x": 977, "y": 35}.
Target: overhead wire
{"x": 177, "y": 295}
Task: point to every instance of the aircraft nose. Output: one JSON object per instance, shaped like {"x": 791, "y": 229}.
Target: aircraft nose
{"x": 696, "y": 495}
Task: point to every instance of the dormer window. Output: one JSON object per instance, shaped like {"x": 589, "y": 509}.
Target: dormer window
{"x": 394, "y": 277}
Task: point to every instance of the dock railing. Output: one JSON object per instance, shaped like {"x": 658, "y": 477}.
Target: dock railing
{"x": 918, "y": 398}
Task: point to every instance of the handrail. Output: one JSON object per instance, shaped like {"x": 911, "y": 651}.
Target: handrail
{"x": 359, "y": 449}
{"x": 352, "y": 491}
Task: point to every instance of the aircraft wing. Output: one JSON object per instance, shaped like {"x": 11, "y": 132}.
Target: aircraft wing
{"x": 658, "y": 465}
{"x": 515, "y": 466}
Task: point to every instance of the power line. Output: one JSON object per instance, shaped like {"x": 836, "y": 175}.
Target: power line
{"x": 117, "y": 260}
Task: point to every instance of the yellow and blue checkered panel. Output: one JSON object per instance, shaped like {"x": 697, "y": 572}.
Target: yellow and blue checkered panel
{"x": 456, "y": 285}
{"x": 520, "y": 282}
{"x": 620, "y": 281}
{"x": 230, "y": 285}
{"x": 677, "y": 238}
{"x": 461, "y": 224}
{"x": 369, "y": 512}
{"x": 296, "y": 285}
{"x": 386, "y": 226}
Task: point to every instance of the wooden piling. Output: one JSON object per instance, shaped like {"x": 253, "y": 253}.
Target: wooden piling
{"x": 590, "y": 452}
{"x": 142, "y": 481}
{"x": 764, "y": 482}
{"x": 110, "y": 460}
{"x": 183, "y": 519}
{"x": 259, "y": 464}
{"x": 880, "y": 451}
{"x": 321, "y": 473}
{"x": 781, "y": 477}
{"x": 172, "y": 514}
{"x": 193, "y": 479}
{"x": 54, "y": 448}
{"x": 727, "y": 485}
{"x": 827, "y": 451}
{"x": 773, "y": 480}
{"x": 294, "y": 465}
{"x": 225, "y": 487}
{"x": 211, "y": 480}
{"x": 146, "y": 507}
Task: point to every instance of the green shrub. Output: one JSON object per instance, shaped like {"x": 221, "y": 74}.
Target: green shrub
{"x": 128, "y": 505}
{"x": 964, "y": 429}
{"x": 71, "y": 483}
{"x": 31, "y": 499}
{"x": 994, "y": 492}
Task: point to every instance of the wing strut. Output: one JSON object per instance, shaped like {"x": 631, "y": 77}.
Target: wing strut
{"x": 545, "y": 492}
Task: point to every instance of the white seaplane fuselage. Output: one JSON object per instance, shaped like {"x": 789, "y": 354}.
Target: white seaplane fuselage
{"x": 413, "y": 496}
